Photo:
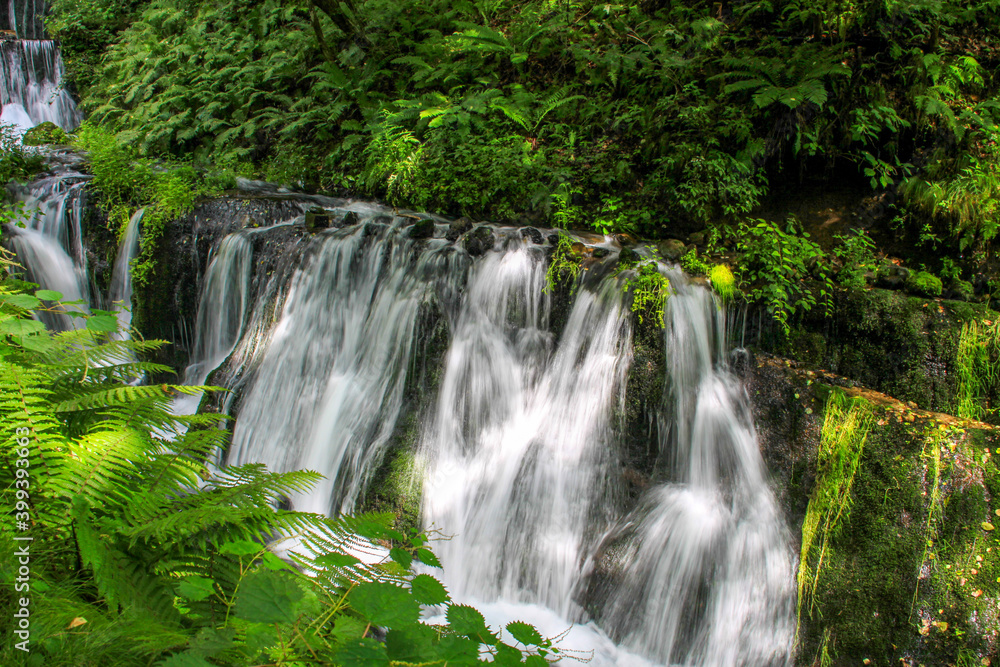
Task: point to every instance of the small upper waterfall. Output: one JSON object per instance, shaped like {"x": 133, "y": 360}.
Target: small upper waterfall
{"x": 121, "y": 277}
{"x": 31, "y": 73}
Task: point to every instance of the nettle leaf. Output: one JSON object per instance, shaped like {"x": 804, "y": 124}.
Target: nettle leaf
{"x": 269, "y": 597}
{"x": 21, "y": 327}
{"x": 385, "y": 604}
{"x": 103, "y": 323}
{"x": 186, "y": 659}
{"x": 348, "y": 628}
{"x": 427, "y": 557}
{"x": 196, "y": 588}
{"x": 467, "y": 621}
{"x": 524, "y": 633}
{"x": 48, "y": 295}
{"x": 412, "y": 644}
{"x": 25, "y": 301}
{"x": 401, "y": 556}
{"x": 362, "y": 653}
{"x": 428, "y": 590}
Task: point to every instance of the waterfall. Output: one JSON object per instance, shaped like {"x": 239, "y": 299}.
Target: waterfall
{"x": 31, "y": 72}
{"x": 518, "y": 453}
{"x": 519, "y": 449}
{"x": 329, "y": 390}
{"x": 50, "y": 246}
{"x": 706, "y": 572}
{"x": 121, "y": 276}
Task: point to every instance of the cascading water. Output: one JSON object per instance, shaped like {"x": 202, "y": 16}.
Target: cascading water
{"x": 706, "y": 573}
{"x": 31, "y": 73}
{"x": 518, "y": 452}
{"x": 520, "y": 448}
{"x": 329, "y": 389}
{"x": 50, "y": 245}
{"x": 121, "y": 277}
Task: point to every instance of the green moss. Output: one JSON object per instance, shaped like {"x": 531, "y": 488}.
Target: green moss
{"x": 909, "y": 573}
{"x": 924, "y": 283}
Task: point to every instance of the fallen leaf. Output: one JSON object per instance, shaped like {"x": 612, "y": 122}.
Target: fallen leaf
{"x": 941, "y": 625}
{"x": 987, "y": 526}
{"x": 76, "y": 622}
{"x": 976, "y": 593}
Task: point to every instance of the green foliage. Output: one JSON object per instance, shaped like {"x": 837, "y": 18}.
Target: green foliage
{"x": 857, "y": 253}
{"x": 564, "y": 265}
{"x": 846, "y": 424}
{"x": 126, "y": 182}
{"x": 723, "y": 282}
{"x": 924, "y": 283}
{"x": 650, "y": 290}
{"x": 978, "y": 367}
{"x": 779, "y": 264}
{"x": 16, "y": 162}
{"x": 45, "y": 133}
{"x": 694, "y": 265}
{"x": 143, "y": 552}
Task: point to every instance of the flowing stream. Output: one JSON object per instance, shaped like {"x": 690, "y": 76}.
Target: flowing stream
{"x": 514, "y": 429}
{"x": 517, "y": 450}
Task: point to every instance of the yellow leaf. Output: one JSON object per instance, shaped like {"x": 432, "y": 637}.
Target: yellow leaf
{"x": 941, "y": 625}
{"x": 76, "y": 622}
{"x": 987, "y": 526}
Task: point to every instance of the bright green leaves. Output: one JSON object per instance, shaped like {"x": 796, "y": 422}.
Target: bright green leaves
{"x": 524, "y": 633}
{"x": 196, "y": 588}
{"x": 362, "y": 653}
{"x": 428, "y": 590}
{"x": 102, "y": 323}
{"x": 266, "y": 596}
{"x": 385, "y": 604}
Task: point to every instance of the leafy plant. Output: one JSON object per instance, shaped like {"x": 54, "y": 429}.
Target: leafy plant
{"x": 978, "y": 369}
{"x": 778, "y": 266}
{"x": 564, "y": 265}
{"x": 925, "y": 283}
{"x": 650, "y": 291}
{"x": 16, "y": 162}
{"x": 694, "y": 265}
{"x": 856, "y": 251}
{"x": 723, "y": 282}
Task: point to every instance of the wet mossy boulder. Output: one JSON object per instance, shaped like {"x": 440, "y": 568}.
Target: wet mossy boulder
{"x": 457, "y": 228}
{"x": 479, "y": 240}
{"x": 44, "y": 134}
{"x": 422, "y": 229}
{"x": 923, "y": 283}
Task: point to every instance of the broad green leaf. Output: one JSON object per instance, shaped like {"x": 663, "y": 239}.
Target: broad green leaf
{"x": 401, "y": 556}
{"x": 524, "y": 633}
{"x": 428, "y": 590}
{"x": 467, "y": 621}
{"x": 240, "y": 548}
{"x": 186, "y": 659}
{"x": 348, "y": 628}
{"x": 25, "y": 301}
{"x": 268, "y": 597}
{"x": 48, "y": 295}
{"x": 385, "y": 604}
{"x": 427, "y": 557}
{"x": 412, "y": 644}
{"x": 272, "y": 562}
{"x": 196, "y": 588}
{"x": 362, "y": 653}
{"x": 102, "y": 323}
{"x": 19, "y": 327}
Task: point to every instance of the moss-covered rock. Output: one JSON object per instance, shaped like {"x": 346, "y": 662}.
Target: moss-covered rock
{"x": 44, "y": 134}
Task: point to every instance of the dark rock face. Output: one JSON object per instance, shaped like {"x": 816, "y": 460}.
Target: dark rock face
{"x": 457, "y": 228}
{"x": 318, "y": 218}
{"x": 600, "y": 253}
{"x": 671, "y": 249}
{"x": 479, "y": 241}
{"x": 422, "y": 229}
{"x": 166, "y": 307}
{"x": 627, "y": 256}
{"x": 533, "y": 235}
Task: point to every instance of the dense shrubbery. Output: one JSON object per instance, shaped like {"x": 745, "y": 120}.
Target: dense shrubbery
{"x": 679, "y": 113}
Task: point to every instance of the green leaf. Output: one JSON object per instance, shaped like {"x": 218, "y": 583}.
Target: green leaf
{"x": 524, "y": 633}
{"x": 186, "y": 659}
{"x": 385, "y": 604}
{"x": 467, "y": 621}
{"x": 20, "y": 327}
{"x": 196, "y": 588}
{"x": 335, "y": 560}
{"x": 25, "y": 301}
{"x": 427, "y": 557}
{"x": 48, "y": 295}
{"x": 240, "y": 548}
{"x": 272, "y": 562}
{"x": 428, "y": 590}
{"x": 362, "y": 653}
{"x": 102, "y": 323}
{"x": 401, "y": 556}
{"x": 348, "y": 628}
{"x": 412, "y": 644}
{"x": 269, "y": 597}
